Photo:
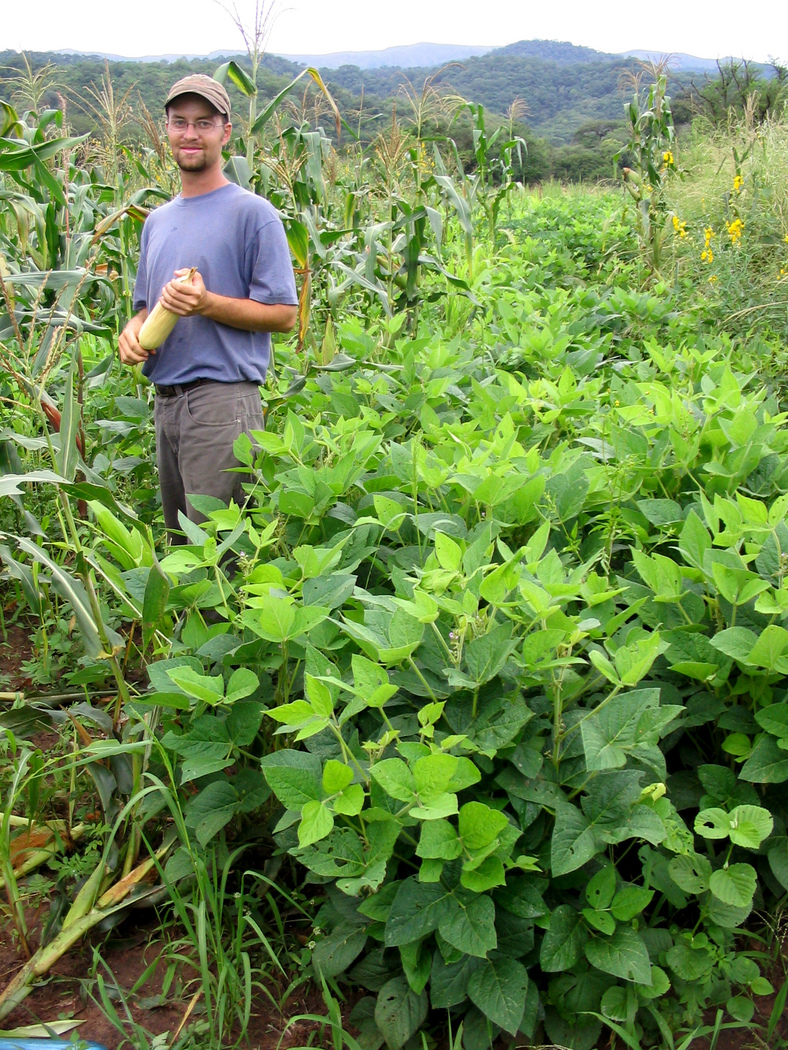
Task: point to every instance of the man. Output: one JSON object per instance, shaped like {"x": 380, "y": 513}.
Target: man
{"x": 207, "y": 373}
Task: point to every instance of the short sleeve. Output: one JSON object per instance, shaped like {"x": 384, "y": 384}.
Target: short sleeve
{"x": 273, "y": 281}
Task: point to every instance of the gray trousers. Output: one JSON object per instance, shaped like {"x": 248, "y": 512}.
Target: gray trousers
{"x": 195, "y": 431}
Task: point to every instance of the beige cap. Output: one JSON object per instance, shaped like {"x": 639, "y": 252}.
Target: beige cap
{"x": 204, "y": 86}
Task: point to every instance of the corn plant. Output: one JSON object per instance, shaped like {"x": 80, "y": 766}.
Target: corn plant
{"x": 649, "y": 156}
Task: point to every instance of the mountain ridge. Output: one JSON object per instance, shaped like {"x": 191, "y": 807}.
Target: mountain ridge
{"x": 425, "y": 54}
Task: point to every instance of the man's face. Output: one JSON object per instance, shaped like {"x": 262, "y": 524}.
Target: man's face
{"x": 193, "y": 149}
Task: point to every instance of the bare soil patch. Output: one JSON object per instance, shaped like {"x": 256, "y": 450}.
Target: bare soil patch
{"x": 71, "y": 991}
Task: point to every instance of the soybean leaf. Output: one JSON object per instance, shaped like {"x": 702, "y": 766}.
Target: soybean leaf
{"x": 734, "y": 885}
{"x": 499, "y": 989}
{"x": 399, "y": 1012}
{"x": 471, "y": 927}
{"x": 333, "y": 954}
{"x": 418, "y": 909}
{"x": 563, "y": 942}
{"x": 623, "y": 955}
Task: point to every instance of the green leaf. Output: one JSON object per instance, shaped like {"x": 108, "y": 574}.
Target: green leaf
{"x": 351, "y": 801}
{"x": 774, "y": 719}
{"x": 316, "y": 822}
{"x": 734, "y": 885}
{"x": 629, "y": 902}
{"x": 613, "y": 731}
{"x": 438, "y": 840}
{"x": 447, "y": 551}
{"x": 449, "y": 981}
{"x": 332, "y": 955}
{"x": 263, "y": 118}
{"x": 336, "y": 776}
{"x": 770, "y": 646}
{"x": 272, "y": 618}
{"x": 563, "y": 941}
{"x": 691, "y": 873}
{"x": 602, "y": 887}
{"x": 599, "y": 920}
{"x": 395, "y": 778}
{"x": 486, "y": 655}
{"x": 767, "y": 764}
{"x": 432, "y": 775}
{"x": 499, "y": 989}
{"x": 624, "y": 955}
{"x": 471, "y": 927}
{"x": 209, "y": 811}
{"x": 154, "y": 602}
{"x": 615, "y": 1003}
{"x": 237, "y": 75}
{"x": 660, "y": 512}
{"x": 416, "y": 962}
{"x": 486, "y": 876}
{"x": 688, "y": 962}
{"x": 399, "y": 1012}
{"x": 68, "y": 455}
{"x": 778, "y": 861}
{"x": 243, "y": 722}
{"x": 292, "y": 786}
{"x": 713, "y": 823}
{"x": 72, "y": 591}
{"x": 417, "y": 909}
{"x": 574, "y": 841}
{"x": 694, "y": 541}
{"x": 750, "y": 825}
{"x": 479, "y": 826}
{"x": 208, "y": 688}
{"x": 736, "y": 642}
{"x": 243, "y": 682}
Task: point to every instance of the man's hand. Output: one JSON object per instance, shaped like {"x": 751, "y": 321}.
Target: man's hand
{"x": 130, "y": 351}
{"x": 183, "y": 297}
{"x": 189, "y": 299}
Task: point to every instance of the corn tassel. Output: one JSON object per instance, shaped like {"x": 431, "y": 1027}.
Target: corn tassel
{"x": 161, "y": 321}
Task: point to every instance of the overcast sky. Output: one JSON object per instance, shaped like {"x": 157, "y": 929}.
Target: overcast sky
{"x": 321, "y": 26}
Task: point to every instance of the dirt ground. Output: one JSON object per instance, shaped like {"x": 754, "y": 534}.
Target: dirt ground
{"x": 71, "y": 989}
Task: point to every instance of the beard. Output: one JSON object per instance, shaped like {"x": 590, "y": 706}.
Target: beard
{"x": 190, "y": 162}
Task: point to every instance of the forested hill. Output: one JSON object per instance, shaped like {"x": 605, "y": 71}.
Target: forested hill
{"x": 559, "y": 51}
{"x": 563, "y": 87}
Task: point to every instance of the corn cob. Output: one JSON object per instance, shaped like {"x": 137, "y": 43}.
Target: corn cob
{"x": 161, "y": 321}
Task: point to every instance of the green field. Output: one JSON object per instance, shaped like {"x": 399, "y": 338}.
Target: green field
{"x": 487, "y": 731}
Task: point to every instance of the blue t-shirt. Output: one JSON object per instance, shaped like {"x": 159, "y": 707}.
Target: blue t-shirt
{"x": 238, "y": 243}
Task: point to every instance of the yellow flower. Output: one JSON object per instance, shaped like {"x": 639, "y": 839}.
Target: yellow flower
{"x": 667, "y": 159}
{"x": 708, "y": 233}
{"x": 680, "y": 226}
{"x": 737, "y": 183}
{"x": 735, "y": 230}
{"x": 707, "y": 255}
{"x": 713, "y": 278}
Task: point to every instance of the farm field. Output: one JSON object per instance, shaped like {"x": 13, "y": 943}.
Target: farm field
{"x": 470, "y": 729}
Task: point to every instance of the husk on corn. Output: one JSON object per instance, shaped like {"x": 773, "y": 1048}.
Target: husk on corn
{"x": 161, "y": 321}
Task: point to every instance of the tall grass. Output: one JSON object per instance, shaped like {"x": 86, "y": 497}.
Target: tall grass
{"x": 730, "y": 240}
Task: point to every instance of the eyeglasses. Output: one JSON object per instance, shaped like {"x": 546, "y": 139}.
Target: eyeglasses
{"x": 203, "y": 127}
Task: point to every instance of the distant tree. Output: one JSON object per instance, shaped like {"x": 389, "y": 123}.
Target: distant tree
{"x": 740, "y": 87}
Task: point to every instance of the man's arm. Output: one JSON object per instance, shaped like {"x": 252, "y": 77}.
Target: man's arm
{"x": 131, "y": 353}
{"x": 246, "y": 314}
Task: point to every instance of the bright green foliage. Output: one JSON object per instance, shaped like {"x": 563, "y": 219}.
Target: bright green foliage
{"x": 502, "y": 668}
